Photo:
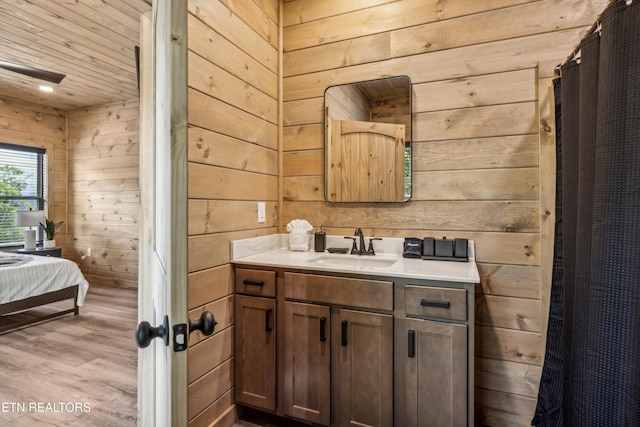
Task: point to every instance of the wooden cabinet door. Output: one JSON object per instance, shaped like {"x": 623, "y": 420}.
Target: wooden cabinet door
{"x": 255, "y": 352}
{"x": 363, "y": 344}
{"x": 431, "y": 359}
{"x": 307, "y": 353}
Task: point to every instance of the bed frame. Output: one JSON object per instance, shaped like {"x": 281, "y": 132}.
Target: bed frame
{"x": 32, "y": 302}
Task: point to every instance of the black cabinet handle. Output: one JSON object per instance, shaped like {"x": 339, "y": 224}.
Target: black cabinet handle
{"x": 345, "y": 326}
{"x": 438, "y": 304}
{"x": 323, "y": 328}
{"x": 267, "y": 320}
{"x": 252, "y": 283}
{"x": 411, "y": 348}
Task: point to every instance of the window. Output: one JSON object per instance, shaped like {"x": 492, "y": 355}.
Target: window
{"x": 23, "y": 186}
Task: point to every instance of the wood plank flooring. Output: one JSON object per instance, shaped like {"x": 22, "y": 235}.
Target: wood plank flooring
{"x": 73, "y": 370}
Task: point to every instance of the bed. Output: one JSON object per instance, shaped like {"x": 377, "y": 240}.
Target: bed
{"x": 29, "y": 281}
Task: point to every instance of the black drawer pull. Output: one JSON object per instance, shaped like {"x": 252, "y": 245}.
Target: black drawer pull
{"x": 345, "y": 326}
{"x": 323, "y": 328}
{"x": 438, "y": 304}
{"x": 411, "y": 348}
{"x": 267, "y": 320}
{"x": 252, "y": 283}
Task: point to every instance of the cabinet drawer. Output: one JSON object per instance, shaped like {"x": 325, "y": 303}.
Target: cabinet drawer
{"x": 443, "y": 303}
{"x": 255, "y": 282}
{"x": 375, "y": 294}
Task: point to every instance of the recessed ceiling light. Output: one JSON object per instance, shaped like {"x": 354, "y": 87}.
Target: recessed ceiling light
{"x": 46, "y": 88}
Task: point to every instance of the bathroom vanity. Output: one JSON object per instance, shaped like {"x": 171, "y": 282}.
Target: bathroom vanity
{"x": 341, "y": 339}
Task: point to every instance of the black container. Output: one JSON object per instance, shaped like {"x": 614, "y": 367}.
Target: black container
{"x": 444, "y": 247}
{"x": 320, "y": 240}
{"x": 461, "y": 248}
{"x": 428, "y": 247}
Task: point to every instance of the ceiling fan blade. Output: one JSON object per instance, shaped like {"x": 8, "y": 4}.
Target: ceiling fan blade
{"x": 49, "y": 76}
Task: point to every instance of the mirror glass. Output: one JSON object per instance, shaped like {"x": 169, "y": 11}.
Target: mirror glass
{"x": 367, "y": 128}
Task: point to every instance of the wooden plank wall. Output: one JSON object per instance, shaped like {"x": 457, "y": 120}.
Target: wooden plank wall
{"x": 233, "y": 62}
{"x": 475, "y": 67}
{"x": 104, "y": 196}
{"x": 33, "y": 125}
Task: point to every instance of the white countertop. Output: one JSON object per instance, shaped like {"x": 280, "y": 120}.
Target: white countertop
{"x": 269, "y": 251}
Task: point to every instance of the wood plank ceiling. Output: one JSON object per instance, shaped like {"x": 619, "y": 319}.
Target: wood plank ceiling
{"x": 92, "y": 42}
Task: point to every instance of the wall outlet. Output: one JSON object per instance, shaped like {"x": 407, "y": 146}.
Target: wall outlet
{"x": 88, "y": 251}
{"x": 262, "y": 213}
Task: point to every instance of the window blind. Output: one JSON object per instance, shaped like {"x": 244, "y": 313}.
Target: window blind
{"x": 23, "y": 186}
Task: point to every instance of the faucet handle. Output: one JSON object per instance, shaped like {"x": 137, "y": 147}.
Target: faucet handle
{"x": 354, "y": 248}
{"x": 370, "y": 250}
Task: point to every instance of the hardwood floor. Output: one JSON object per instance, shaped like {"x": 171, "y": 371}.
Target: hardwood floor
{"x": 73, "y": 370}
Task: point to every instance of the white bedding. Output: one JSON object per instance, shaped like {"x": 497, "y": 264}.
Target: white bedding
{"x": 24, "y": 276}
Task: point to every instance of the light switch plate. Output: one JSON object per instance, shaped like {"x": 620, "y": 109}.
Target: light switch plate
{"x": 262, "y": 214}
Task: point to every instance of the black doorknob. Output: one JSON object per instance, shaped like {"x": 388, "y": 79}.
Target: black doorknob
{"x": 145, "y": 333}
{"x": 205, "y": 324}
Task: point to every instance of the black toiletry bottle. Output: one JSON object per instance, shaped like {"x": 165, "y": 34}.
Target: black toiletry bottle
{"x": 320, "y": 242}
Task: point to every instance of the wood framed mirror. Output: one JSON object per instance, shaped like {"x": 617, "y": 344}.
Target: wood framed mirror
{"x": 367, "y": 129}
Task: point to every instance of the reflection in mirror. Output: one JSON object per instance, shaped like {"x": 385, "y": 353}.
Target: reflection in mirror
{"x": 368, "y": 141}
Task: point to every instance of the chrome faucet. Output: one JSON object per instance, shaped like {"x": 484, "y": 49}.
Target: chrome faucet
{"x": 359, "y": 236}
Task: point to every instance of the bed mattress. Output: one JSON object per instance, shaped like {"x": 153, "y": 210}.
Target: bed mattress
{"x": 24, "y": 276}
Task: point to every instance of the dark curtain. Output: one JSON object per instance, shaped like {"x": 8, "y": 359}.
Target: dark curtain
{"x": 591, "y": 372}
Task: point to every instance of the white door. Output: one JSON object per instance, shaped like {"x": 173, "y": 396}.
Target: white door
{"x": 162, "y": 372}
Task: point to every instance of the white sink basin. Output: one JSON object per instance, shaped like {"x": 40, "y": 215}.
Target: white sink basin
{"x": 355, "y": 261}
